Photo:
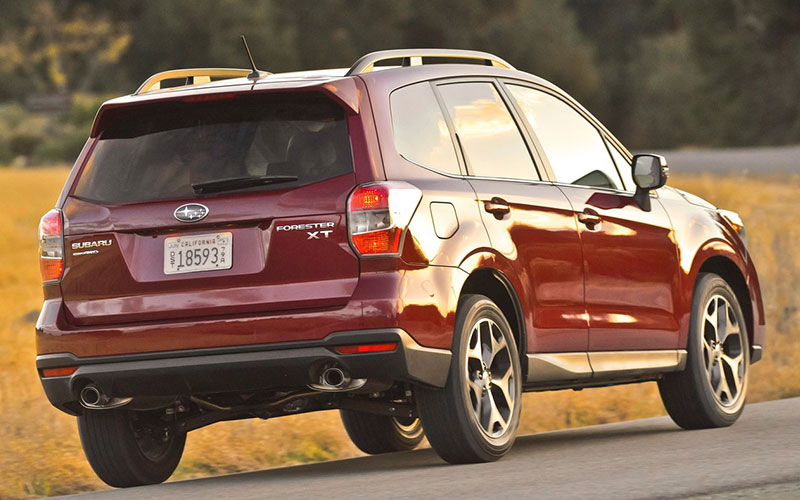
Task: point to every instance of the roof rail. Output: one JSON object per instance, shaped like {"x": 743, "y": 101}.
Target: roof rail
{"x": 196, "y": 75}
{"x": 414, "y": 57}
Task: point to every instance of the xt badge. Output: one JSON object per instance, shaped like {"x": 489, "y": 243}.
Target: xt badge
{"x": 314, "y": 235}
{"x": 321, "y": 227}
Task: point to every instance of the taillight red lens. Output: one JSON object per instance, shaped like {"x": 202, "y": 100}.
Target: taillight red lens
{"x": 372, "y": 197}
{"x": 51, "y": 246}
{"x": 365, "y": 348}
{"x": 378, "y": 214}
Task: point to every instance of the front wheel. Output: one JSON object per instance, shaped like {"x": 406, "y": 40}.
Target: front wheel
{"x": 711, "y": 391}
{"x": 475, "y": 417}
{"x": 129, "y": 448}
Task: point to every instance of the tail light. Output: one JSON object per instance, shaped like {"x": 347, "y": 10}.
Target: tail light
{"x": 51, "y": 246}
{"x": 378, "y": 215}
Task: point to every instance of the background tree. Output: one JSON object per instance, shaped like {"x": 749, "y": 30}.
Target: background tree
{"x": 659, "y": 73}
{"x": 52, "y": 46}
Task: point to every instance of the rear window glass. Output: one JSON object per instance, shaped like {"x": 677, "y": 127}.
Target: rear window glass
{"x": 158, "y": 151}
{"x": 420, "y": 131}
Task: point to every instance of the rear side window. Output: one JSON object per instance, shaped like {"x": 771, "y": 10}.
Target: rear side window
{"x": 157, "y": 151}
{"x": 574, "y": 146}
{"x": 488, "y": 134}
{"x": 420, "y": 130}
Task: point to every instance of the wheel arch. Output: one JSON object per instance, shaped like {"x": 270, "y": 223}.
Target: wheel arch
{"x": 729, "y": 271}
{"x": 496, "y": 286}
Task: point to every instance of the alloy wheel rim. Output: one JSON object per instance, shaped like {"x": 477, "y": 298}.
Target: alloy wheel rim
{"x": 154, "y": 442}
{"x": 491, "y": 381}
{"x": 723, "y": 352}
{"x": 408, "y": 427}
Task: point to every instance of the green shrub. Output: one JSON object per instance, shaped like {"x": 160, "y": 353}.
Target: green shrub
{"x": 24, "y": 142}
{"x": 46, "y": 138}
{"x": 61, "y": 149}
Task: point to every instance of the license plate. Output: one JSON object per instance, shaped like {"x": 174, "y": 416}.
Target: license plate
{"x": 198, "y": 252}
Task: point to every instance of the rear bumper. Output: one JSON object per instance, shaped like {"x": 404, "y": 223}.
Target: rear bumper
{"x": 242, "y": 368}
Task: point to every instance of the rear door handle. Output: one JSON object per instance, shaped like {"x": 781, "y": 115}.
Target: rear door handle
{"x": 590, "y": 218}
{"x": 497, "y": 207}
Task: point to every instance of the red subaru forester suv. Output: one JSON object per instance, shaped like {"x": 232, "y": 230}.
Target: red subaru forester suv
{"x": 414, "y": 241}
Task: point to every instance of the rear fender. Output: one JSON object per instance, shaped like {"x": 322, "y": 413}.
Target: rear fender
{"x": 487, "y": 260}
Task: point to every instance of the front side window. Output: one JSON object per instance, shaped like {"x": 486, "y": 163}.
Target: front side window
{"x": 420, "y": 130}
{"x": 489, "y": 137}
{"x": 574, "y": 146}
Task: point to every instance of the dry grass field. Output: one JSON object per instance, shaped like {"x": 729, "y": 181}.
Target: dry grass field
{"x": 39, "y": 449}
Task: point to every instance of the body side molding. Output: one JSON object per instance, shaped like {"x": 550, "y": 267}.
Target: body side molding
{"x": 564, "y": 366}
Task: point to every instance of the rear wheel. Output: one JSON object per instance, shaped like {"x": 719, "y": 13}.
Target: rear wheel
{"x": 376, "y": 434}
{"x": 129, "y": 448}
{"x": 711, "y": 391}
{"x": 475, "y": 417}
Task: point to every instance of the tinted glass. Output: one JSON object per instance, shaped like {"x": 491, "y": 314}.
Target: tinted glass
{"x": 574, "y": 146}
{"x": 623, "y": 167}
{"x": 157, "y": 151}
{"x": 488, "y": 134}
{"x": 420, "y": 130}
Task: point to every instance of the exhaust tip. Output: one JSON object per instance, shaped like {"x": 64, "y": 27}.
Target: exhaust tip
{"x": 90, "y": 396}
{"x": 334, "y": 377}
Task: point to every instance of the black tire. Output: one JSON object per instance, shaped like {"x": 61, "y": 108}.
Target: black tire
{"x": 689, "y": 396}
{"x": 121, "y": 459}
{"x": 449, "y": 415}
{"x": 376, "y": 434}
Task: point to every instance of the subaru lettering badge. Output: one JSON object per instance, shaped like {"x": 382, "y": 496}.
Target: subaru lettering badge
{"x": 191, "y": 212}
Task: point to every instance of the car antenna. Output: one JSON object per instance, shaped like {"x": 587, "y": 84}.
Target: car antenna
{"x": 256, "y": 74}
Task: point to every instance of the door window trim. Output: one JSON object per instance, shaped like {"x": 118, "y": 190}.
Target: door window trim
{"x": 532, "y": 152}
{"x": 602, "y": 132}
{"x": 540, "y": 162}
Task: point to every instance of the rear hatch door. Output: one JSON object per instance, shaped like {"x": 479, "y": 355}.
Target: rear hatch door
{"x": 199, "y": 208}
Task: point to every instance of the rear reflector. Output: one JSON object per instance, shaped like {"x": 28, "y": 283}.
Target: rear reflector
{"x": 51, "y": 246}
{"x": 58, "y": 372}
{"x": 365, "y": 348}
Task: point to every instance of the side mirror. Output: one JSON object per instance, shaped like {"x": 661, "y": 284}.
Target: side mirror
{"x": 649, "y": 172}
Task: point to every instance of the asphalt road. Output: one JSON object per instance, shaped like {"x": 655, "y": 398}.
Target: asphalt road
{"x": 652, "y": 458}
{"x": 764, "y": 160}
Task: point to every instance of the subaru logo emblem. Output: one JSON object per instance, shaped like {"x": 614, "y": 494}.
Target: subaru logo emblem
{"x": 191, "y": 212}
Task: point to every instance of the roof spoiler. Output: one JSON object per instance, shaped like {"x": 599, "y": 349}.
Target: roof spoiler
{"x": 344, "y": 91}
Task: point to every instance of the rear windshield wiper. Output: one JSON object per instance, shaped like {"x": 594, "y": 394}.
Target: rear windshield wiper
{"x": 234, "y": 183}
